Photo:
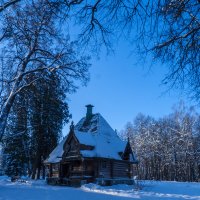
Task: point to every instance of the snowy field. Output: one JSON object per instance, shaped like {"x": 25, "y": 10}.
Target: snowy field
{"x": 36, "y": 190}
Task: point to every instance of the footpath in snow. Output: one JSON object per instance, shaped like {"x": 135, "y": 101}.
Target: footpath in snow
{"x": 39, "y": 190}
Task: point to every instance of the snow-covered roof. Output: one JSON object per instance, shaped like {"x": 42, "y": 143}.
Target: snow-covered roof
{"x": 56, "y": 155}
{"x": 96, "y": 133}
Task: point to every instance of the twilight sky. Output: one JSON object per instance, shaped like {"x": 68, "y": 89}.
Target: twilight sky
{"x": 119, "y": 89}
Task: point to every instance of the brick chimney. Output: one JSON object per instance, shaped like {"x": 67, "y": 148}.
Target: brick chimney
{"x": 89, "y": 112}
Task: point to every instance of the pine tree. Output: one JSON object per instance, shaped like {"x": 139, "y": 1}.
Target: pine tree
{"x": 16, "y": 142}
{"x": 35, "y": 126}
{"x": 49, "y": 112}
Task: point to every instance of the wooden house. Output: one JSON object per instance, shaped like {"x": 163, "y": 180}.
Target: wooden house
{"x": 91, "y": 152}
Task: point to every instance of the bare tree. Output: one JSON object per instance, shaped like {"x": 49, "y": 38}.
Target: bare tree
{"x": 35, "y": 45}
{"x": 168, "y": 148}
{"x": 167, "y": 29}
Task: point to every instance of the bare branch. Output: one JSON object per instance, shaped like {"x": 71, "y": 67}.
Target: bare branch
{"x": 8, "y": 4}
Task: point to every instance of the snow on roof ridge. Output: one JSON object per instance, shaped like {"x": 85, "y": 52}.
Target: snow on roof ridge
{"x": 100, "y": 127}
{"x": 85, "y": 126}
{"x": 106, "y": 128}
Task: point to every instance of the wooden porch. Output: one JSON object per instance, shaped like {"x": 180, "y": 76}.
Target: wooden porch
{"x": 75, "y": 172}
{"x": 77, "y": 169}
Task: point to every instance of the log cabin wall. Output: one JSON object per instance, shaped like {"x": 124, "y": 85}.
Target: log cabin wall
{"x": 96, "y": 168}
{"x": 104, "y": 169}
{"x": 89, "y": 167}
{"x": 121, "y": 169}
{"x": 115, "y": 169}
{"x": 77, "y": 168}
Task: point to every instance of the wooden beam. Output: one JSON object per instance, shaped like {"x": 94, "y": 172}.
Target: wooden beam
{"x": 50, "y": 170}
{"x": 111, "y": 169}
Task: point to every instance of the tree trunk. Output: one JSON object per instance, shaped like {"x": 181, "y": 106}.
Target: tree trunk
{"x": 35, "y": 166}
{"x": 4, "y": 115}
{"x": 34, "y": 171}
{"x": 14, "y": 91}
{"x": 43, "y": 172}
{"x": 39, "y": 167}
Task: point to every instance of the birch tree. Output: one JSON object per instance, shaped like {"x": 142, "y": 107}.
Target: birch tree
{"x": 167, "y": 148}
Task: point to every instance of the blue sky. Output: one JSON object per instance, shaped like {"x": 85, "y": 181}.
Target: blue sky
{"x": 119, "y": 89}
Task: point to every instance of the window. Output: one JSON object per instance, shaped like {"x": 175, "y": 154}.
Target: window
{"x": 104, "y": 164}
{"x": 55, "y": 167}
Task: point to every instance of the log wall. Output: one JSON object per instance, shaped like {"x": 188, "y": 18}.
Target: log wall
{"x": 121, "y": 170}
{"x": 115, "y": 169}
{"x": 105, "y": 169}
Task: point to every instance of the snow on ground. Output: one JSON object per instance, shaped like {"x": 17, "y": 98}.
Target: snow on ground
{"x": 39, "y": 190}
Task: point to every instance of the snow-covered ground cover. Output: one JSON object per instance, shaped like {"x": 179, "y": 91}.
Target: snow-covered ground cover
{"x": 36, "y": 190}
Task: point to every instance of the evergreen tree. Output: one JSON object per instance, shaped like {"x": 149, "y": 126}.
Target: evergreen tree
{"x": 49, "y": 112}
{"x": 35, "y": 126}
{"x": 16, "y": 143}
